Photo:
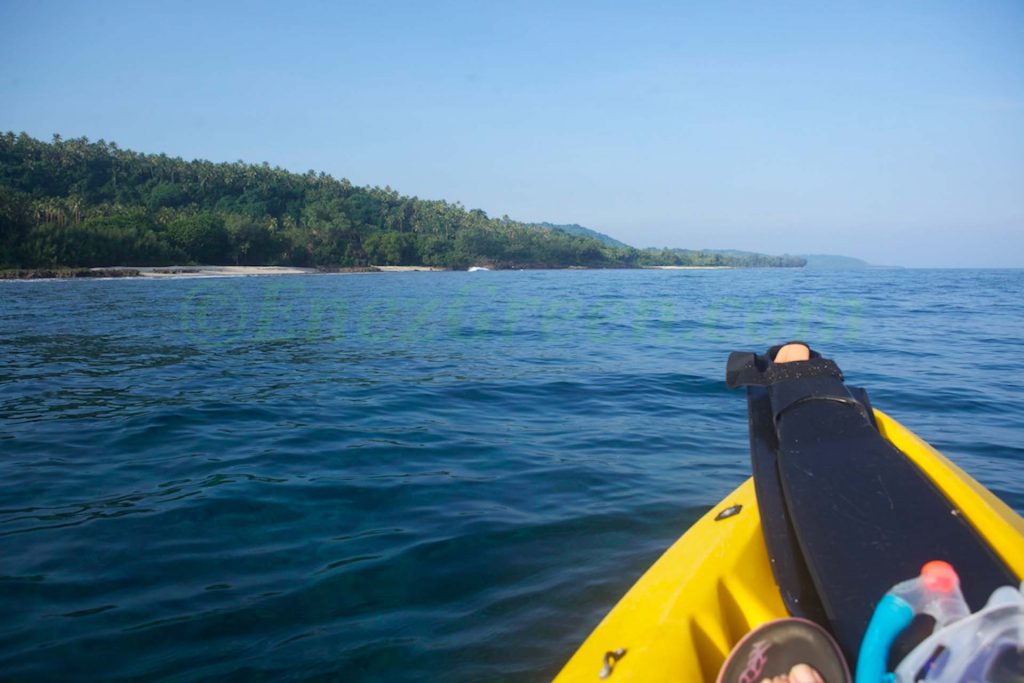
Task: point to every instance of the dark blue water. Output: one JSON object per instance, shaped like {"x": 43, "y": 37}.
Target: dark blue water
{"x": 420, "y": 476}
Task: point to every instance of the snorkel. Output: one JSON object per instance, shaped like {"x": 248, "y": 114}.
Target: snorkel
{"x": 984, "y": 647}
{"x": 936, "y": 592}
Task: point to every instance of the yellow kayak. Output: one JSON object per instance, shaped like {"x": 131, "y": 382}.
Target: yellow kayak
{"x": 716, "y": 583}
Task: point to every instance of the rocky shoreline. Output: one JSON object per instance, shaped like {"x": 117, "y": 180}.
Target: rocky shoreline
{"x": 66, "y": 273}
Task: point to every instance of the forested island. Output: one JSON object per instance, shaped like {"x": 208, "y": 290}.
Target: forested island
{"x": 76, "y": 203}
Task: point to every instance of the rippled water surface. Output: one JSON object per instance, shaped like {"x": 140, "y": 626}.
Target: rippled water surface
{"x": 419, "y": 476}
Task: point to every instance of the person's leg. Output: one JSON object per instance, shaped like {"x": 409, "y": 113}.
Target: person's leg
{"x": 801, "y": 673}
{"x": 863, "y": 516}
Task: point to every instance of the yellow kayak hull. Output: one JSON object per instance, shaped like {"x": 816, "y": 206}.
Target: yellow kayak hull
{"x": 713, "y": 585}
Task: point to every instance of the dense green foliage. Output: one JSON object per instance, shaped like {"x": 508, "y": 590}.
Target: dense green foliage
{"x": 690, "y": 257}
{"x": 80, "y": 203}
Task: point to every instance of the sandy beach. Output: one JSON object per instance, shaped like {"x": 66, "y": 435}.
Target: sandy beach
{"x": 220, "y": 271}
{"x": 250, "y": 271}
{"x": 688, "y": 267}
{"x": 170, "y": 272}
{"x": 409, "y": 269}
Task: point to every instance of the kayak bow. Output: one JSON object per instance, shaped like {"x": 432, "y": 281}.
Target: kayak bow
{"x": 716, "y": 583}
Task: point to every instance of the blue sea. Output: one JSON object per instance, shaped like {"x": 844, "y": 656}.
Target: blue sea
{"x": 419, "y": 476}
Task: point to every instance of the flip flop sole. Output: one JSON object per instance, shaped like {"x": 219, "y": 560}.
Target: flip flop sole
{"x": 774, "y": 648}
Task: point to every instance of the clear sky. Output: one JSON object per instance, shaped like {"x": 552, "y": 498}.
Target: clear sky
{"x": 891, "y": 131}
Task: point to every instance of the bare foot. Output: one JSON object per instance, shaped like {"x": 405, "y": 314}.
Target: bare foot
{"x": 801, "y": 673}
{"x": 788, "y": 354}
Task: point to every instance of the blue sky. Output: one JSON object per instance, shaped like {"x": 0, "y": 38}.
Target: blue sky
{"x": 892, "y": 131}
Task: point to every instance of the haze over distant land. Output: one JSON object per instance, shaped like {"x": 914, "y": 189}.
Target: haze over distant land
{"x": 834, "y": 262}
{"x": 893, "y": 133}
{"x": 575, "y": 229}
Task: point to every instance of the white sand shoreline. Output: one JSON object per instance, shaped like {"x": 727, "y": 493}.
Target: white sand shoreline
{"x": 688, "y": 267}
{"x": 216, "y": 271}
{"x": 172, "y": 271}
{"x": 175, "y": 271}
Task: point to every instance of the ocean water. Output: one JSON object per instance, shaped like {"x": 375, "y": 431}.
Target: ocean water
{"x": 419, "y": 476}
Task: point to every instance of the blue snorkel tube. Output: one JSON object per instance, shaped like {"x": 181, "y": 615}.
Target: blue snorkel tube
{"x": 891, "y": 616}
{"x": 935, "y": 592}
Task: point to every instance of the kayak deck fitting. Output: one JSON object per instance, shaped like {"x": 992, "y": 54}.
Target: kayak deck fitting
{"x": 720, "y": 579}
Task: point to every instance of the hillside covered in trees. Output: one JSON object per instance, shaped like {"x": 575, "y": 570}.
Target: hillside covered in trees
{"x": 80, "y": 203}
